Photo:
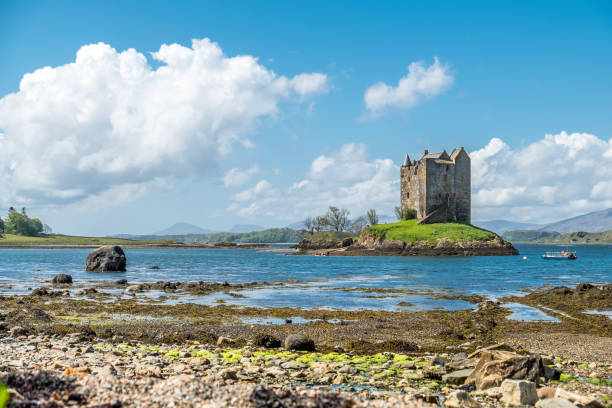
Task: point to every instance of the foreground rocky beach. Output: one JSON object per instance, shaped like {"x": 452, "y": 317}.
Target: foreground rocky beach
{"x": 113, "y": 344}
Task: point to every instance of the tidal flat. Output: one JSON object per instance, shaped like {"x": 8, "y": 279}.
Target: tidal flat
{"x": 103, "y": 345}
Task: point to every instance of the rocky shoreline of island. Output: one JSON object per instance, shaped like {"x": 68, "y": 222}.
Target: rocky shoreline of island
{"x": 371, "y": 245}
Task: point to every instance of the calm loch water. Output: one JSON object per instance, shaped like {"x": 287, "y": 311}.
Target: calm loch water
{"x": 318, "y": 281}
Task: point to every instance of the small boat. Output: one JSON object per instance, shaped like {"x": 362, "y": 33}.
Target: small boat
{"x": 563, "y": 254}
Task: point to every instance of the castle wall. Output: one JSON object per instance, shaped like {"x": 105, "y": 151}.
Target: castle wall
{"x": 413, "y": 187}
{"x": 463, "y": 187}
{"x": 440, "y": 185}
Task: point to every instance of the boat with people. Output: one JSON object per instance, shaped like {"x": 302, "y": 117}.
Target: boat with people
{"x": 567, "y": 253}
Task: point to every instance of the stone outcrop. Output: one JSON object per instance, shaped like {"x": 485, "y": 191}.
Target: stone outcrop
{"x": 106, "y": 259}
{"x": 62, "y": 279}
{"x": 310, "y": 245}
{"x": 370, "y": 244}
{"x": 495, "y": 366}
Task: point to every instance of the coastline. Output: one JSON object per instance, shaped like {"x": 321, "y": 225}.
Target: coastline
{"x": 109, "y": 347}
{"x": 136, "y": 246}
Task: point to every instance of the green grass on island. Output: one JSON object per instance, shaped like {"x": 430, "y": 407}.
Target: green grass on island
{"x": 57, "y": 239}
{"x": 409, "y": 231}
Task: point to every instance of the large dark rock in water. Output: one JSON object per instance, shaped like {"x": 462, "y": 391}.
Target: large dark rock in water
{"x": 106, "y": 259}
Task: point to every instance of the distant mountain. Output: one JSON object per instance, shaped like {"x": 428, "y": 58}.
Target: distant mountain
{"x": 597, "y": 221}
{"x": 516, "y": 236}
{"x": 246, "y": 228}
{"x": 296, "y": 225}
{"x": 183, "y": 228}
{"x": 501, "y": 226}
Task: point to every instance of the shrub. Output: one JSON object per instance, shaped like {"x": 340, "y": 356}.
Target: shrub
{"x": 409, "y": 214}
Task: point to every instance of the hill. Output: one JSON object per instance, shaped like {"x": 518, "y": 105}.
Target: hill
{"x": 58, "y": 239}
{"x": 529, "y": 235}
{"x": 246, "y": 228}
{"x": 604, "y": 237}
{"x": 183, "y": 228}
{"x": 501, "y": 226}
{"x": 267, "y": 236}
{"x": 597, "y": 221}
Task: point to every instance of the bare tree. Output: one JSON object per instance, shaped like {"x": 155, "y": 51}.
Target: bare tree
{"x": 320, "y": 223}
{"x": 372, "y": 216}
{"x": 338, "y": 218}
{"x": 398, "y": 212}
{"x": 310, "y": 224}
{"x": 358, "y": 225}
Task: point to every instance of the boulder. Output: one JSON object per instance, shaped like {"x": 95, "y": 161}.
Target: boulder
{"x": 555, "y": 403}
{"x": 267, "y": 341}
{"x": 106, "y": 259}
{"x": 495, "y": 366}
{"x": 62, "y": 278}
{"x": 546, "y": 392}
{"x": 346, "y": 242}
{"x": 460, "y": 399}
{"x": 299, "y": 342}
{"x": 457, "y": 377}
{"x": 516, "y": 393}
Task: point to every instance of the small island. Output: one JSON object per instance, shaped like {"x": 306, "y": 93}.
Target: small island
{"x": 408, "y": 238}
{"x": 435, "y": 215}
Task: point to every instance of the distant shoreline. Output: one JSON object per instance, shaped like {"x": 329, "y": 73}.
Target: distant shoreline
{"x": 135, "y": 246}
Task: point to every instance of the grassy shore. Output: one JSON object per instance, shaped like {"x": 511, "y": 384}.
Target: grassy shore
{"x": 409, "y": 231}
{"x": 58, "y": 239}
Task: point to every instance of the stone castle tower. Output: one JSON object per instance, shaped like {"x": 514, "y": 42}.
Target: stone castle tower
{"x": 438, "y": 186}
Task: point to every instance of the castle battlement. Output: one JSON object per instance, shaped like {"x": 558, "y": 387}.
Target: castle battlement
{"x": 438, "y": 186}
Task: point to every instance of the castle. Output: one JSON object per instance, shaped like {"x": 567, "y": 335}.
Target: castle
{"x": 438, "y": 187}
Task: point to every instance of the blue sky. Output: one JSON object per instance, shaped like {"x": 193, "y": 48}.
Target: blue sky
{"x": 516, "y": 73}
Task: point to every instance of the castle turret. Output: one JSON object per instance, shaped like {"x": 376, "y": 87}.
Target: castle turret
{"x": 407, "y": 161}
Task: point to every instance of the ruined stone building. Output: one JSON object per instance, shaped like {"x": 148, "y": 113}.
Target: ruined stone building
{"x": 438, "y": 186}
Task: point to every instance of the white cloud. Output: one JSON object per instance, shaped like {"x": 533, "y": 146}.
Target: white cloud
{"x": 237, "y": 178}
{"x": 420, "y": 83}
{"x": 108, "y": 120}
{"x": 345, "y": 178}
{"x": 552, "y": 178}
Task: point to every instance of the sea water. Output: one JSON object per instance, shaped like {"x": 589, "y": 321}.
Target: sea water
{"x": 320, "y": 282}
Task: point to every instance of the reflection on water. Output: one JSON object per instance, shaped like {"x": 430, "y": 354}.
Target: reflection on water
{"x": 527, "y": 313}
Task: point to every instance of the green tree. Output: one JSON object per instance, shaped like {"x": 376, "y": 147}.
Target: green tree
{"x": 372, "y": 216}
{"x": 1, "y": 226}
{"x": 338, "y": 218}
{"x": 20, "y": 224}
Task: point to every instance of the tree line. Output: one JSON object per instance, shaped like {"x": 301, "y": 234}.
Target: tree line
{"x": 337, "y": 219}
{"x": 18, "y": 223}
